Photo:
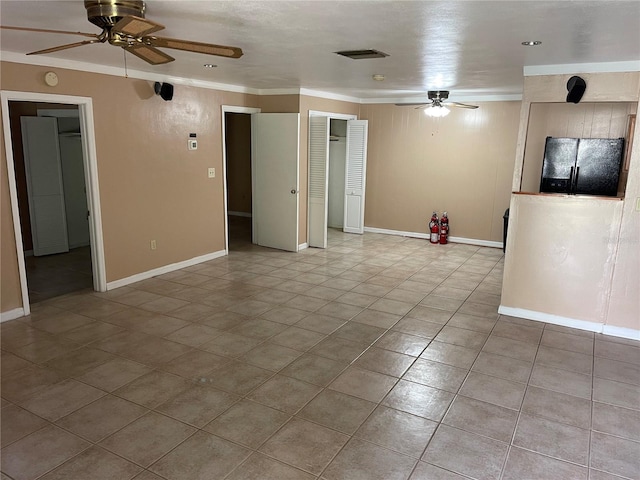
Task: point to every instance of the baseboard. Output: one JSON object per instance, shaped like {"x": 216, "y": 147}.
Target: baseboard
{"x": 166, "y": 269}
{"x": 239, "y": 214}
{"x": 550, "y": 318}
{"x": 302, "y": 246}
{"x": 426, "y": 236}
{"x": 11, "y": 314}
{"x": 621, "y": 332}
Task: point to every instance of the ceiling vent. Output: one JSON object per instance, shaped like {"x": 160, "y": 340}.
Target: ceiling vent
{"x": 361, "y": 54}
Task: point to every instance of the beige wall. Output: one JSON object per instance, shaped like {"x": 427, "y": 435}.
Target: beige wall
{"x": 462, "y": 164}
{"x": 595, "y": 242}
{"x": 238, "y": 148}
{"x": 151, "y": 186}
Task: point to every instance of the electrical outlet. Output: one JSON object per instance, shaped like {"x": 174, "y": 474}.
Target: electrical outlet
{"x": 153, "y": 245}
{"x": 211, "y": 172}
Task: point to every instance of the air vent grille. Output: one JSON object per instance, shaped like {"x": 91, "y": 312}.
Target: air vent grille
{"x": 362, "y": 54}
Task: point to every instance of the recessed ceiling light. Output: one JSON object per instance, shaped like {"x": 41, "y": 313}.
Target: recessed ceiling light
{"x": 210, "y": 65}
{"x": 532, "y": 43}
{"x": 378, "y": 77}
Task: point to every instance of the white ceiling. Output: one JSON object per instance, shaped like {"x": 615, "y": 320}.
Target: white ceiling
{"x": 472, "y": 48}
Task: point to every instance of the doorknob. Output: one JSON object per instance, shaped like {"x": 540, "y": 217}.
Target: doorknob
{"x": 294, "y": 191}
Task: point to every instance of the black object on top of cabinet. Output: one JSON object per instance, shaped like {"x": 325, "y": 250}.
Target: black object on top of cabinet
{"x": 586, "y": 166}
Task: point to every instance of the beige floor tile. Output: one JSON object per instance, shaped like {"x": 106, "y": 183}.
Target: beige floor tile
{"x": 616, "y": 393}
{"x": 428, "y": 314}
{"x": 338, "y": 411}
{"x": 230, "y": 344}
{"x": 436, "y": 374}
{"x": 511, "y": 348}
{"x": 420, "y": 400}
{"x": 152, "y": 389}
{"x": 569, "y": 443}
{"x": 364, "y": 384}
{"x": 617, "y": 351}
{"x": 466, "y": 453}
{"x": 482, "y": 418}
{"x": 101, "y": 418}
{"x": 238, "y": 378}
{"x": 359, "y": 459}
{"x": 566, "y": 341}
{"x": 377, "y": 318}
{"x": 451, "y": 292}
{"x": 193, "y": 335}
{"x": 270, "y": 356}
{"x": 471, "y": 322}
{"x": 78, "y": 362}
{"x": 27, "y": 382}
{"x": 201, "y": 457}
{"x": 298, "y": 338}
{"x": 614, "y": 370}
{"x": 558, "y": 407}
{"x": 503, "y": 367}
{"x": 618, "y": 421}
{"x": 113, "y": 374}
{"x": 397, "y": 431}
{"x": 45, "y": 349}
{"x": 60, "y": 399}
{"x": 305, "y": 445}
{"x": 426, "y": 471}
{"x": 39, "y": 452}
{"x": 404, "y": 296}
{"x": 261, "y": 467}
{"x": 148, "y": 438}
{"x": 258, "y": 329}
{"x": 417, "y": 327}
{"x": 384, "y": 361}
{"x": 285, "y": 315}
{"x": 441, "y": 303}
{"x": 614, "y": 455}
{"x": 342, "y": 311}
{"x": 61, "y": 322}
{"x": 96, "y": 464}
{"x": 156, "y": 351}
{"x": 195, "y": 365}
{"x": 198, "y": 405}
{"x": 521, "y": 333}
{"x": 306, "y": 303}
{"x": 17, "y": 423}
{"x": 562, "y": 381}
{"x": 9, "y": 363}
{"x": 493, "y": 390}
{"x": 223, "y": 320}
{"x": 357, "y": 299}
{"x": 339, "y": 349}
{"x": 455, "y": 355}
{"x": 284, "y": 393}
{"x": 247, "y": 423}
{"x": 461, "y": 337}
{"x": 320, "y": 323}
{"x": 402, "y": 343}
{"x": 524, "y": 464}
{"x": 314, "y": 369}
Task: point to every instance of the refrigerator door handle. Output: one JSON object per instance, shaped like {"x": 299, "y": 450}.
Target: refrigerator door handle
{"x": 570, "y": 190}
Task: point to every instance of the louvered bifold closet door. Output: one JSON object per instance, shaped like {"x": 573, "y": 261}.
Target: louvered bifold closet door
{"x": 356, "y": 173}
{"x": 318, "y": 175}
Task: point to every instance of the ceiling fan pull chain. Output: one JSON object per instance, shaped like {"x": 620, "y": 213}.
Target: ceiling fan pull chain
{"x": 126, "y": 73}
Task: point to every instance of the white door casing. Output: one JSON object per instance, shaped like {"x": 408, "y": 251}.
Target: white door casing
{"x": 318, "y": 180}
{"x": 355, "y": 176}
{"x": 44, "y": 185}
{"x": 275, "y": 157}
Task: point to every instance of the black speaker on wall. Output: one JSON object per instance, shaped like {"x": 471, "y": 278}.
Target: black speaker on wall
{"x": 576, "y": 87}
{"x": 165, "y": 90}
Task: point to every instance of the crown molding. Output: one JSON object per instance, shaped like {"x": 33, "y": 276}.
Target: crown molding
{"x": 603, "y": 67}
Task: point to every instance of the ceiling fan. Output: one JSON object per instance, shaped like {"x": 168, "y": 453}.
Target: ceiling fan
{"x": 123, "y": 25}
{"x": 437, "y": 107}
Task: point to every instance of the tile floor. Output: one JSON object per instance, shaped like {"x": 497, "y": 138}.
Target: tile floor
{"x": 379, "y": 358}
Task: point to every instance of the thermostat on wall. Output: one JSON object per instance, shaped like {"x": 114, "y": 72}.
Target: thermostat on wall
{"x": 193, "y": 144}
{"x": 51, "y": 79}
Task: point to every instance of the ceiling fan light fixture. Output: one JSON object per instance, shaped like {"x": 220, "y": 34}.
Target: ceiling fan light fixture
{"x": 378, "y": 77}
{"x": 532, "y": 43}
{"x": 436, "y": 111}
{"x": 209, "y": 65}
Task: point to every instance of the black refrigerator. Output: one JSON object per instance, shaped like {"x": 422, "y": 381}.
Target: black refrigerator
{"x": 585, "y": 166}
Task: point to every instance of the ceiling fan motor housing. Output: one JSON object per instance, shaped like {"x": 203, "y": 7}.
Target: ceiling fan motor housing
{"x": 438, "y": 94}
{"x": 106, "y": 13}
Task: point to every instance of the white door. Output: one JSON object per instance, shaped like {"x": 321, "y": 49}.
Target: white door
{"x": 275, "y": 143}
{"x": 44, "y": 185}
{"x": 75, "y": 194}
{"x": 355, "y": 176}
{"x": 318, "y": 180}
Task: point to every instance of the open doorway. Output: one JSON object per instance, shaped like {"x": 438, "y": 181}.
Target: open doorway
{"x": 44, "y": 213}
{"x": 337, "y": 166}
{"x": 238, "y": 175}
{"x": 52, "y": 202}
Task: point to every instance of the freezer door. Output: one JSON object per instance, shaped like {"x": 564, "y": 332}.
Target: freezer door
{"x": 598, "y": 166}
{"x": 558, "y": 165}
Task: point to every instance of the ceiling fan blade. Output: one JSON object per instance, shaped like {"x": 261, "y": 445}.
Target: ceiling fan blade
{"x": 136, "y": 26}
{"x": 149, "y": 54}
{"x": 461, "y": 105}
{"x": 197, "y": 47}
{"x": 44, "y": 30}
{"x": 412, "y": 104}
{"x": 63, "y": 47}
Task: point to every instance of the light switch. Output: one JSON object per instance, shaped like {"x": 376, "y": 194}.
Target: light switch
{"x": 192, "y": 144}
{"x": 212, "y": 173}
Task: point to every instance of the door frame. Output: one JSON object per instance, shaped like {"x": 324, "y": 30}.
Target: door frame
{"x": 85, "y": 109}
{"x": 231, "y": 109}
{"x": 332, "y": 116}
